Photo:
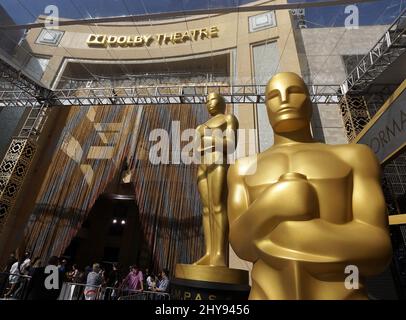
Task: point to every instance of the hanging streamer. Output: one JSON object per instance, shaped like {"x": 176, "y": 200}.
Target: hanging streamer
{"x": 91, "y": 151}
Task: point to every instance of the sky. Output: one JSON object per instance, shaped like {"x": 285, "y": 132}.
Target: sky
{"x": 26, "y": 11}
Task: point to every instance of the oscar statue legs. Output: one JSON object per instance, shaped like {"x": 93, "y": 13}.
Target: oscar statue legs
{"x": 211, "y": 184}
{"x": 202, "y": 184}
{"x": 219, "y": 223}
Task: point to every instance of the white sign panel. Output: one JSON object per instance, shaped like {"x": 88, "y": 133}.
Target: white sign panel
{"x": 387, "y": 133}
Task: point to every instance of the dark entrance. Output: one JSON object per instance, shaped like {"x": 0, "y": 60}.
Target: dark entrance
{"x": 110, "y": 234}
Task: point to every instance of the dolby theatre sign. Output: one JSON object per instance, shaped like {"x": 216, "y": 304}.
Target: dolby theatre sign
{"x": 102, "y": 40}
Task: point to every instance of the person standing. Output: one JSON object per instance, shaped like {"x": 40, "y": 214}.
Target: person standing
{"x": 25, "y": 266}
{"x": 151, "y": 282}
{"x": 13, "y": 279}
{"x": 93, "y": 283}
{"x": 113, "y": 282}
{"x": 134, "y": 280}
{"x": 163, "y": 284}
{"x": 74, "y": 276}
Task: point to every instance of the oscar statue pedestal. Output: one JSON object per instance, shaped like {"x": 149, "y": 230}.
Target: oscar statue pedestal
{"x": 200, "y": 282}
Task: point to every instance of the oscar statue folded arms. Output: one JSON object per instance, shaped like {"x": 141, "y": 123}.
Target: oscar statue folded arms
{"x": 285, "y": 223}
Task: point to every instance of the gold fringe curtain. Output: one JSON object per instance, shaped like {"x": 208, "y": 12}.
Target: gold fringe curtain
{"x": 166, "y": 194}
{"x": 68, "y": 191}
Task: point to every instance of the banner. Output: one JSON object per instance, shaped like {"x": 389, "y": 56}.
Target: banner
{"x": 386, "y": 132}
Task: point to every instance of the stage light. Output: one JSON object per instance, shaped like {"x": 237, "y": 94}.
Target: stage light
{"x": 122, "y": 221}
{"x": 114, "y": 221}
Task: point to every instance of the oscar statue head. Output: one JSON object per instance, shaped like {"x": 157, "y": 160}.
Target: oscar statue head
{"x": 288, "y": 102}
{"x": 215, "y": 104}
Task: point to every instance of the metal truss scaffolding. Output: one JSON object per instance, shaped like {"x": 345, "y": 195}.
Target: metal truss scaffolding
{"x": 388, "y": 48}
{"x": 179, "y": 94}
{"x": 29, "y": 94}
{"x": 18, "y": 158}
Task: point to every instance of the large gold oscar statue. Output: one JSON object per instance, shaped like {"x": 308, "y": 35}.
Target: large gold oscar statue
{"x": 302, "y": 211}
{"x": 215, "y": 140}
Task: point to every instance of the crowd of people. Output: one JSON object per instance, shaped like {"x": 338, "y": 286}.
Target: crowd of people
{"x": 24, "y": 278}
{"x": 134, "y": 281}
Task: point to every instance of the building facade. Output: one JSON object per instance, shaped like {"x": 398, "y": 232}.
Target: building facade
{"x": 81, "y": 150}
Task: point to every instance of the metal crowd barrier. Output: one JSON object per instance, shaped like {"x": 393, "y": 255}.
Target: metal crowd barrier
{"x": 20, "y": 290}
{"x": 146, "y": 295}
{"x": 77, "y": 291}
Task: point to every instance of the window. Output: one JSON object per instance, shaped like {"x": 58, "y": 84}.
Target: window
{"x": 262, "y": 21}
{"x": 49, "y": 37}
{"x": 36, "y": 66}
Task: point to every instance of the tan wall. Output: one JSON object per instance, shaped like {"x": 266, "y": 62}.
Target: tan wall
{"x": 233, "y": 33}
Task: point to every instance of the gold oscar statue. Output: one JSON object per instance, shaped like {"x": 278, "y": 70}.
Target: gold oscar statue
{"x": 215, "y": 140}
{"x": 310, "y": 216}
{"x": 212, "y": 179}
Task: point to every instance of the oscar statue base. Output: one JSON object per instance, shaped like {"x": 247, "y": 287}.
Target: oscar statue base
{"x": 199, "y": 282}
